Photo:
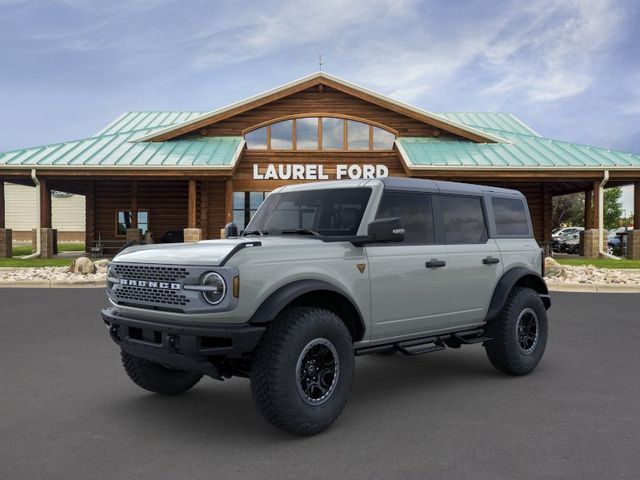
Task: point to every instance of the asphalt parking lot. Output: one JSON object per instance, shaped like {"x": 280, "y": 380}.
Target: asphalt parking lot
{"x": 67, "y": 410}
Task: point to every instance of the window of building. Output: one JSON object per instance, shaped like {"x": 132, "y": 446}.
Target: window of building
{"x": 281, "y": 135}
{"x": 125, "y": 219}
{"x": 463, "y": 219}
{"x": 245, "y": 205}
{"x": 415, "y": 211}
{"x": 307, "y": 133}
{"x": 357, "y": 135}
{"x": 332, "y": 134}
{"x": 257, "y": 139}
{"x": 510, "y": 216}
{"x": 382, "y": 139}
{"x": 320, "y": 133}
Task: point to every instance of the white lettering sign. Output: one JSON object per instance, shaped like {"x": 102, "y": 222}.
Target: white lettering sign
{"x": 315, "y": 171}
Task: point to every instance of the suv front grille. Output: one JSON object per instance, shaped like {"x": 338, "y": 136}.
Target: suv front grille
{"x": 151, "y": 272}
{"x": 131, "y": 294}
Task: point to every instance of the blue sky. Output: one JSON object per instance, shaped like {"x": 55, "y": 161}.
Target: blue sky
{"x": 570, "y": 69}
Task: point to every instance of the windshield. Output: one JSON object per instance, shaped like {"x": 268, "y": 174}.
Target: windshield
{"x": 328, "y": 212}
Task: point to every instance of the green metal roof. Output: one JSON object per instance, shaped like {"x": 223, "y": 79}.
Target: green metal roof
{"x": 117, "y": 145}
{"x": 121, "y": 150}
{"x": 520, "y": 151}
{"x": 502, "y": 121}
{"x": 130, "y": 121}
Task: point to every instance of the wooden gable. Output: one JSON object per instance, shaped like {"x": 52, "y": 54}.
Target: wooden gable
{"x": 321, "y": 94}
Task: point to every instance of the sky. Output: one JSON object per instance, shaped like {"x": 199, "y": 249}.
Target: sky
{"x": 570, "y": 69}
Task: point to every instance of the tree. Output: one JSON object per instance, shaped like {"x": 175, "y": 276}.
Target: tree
{"x": 612, "y": 207}
{"x": 568, "y": 210}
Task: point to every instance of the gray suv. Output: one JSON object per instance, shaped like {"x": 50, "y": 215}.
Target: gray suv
{"x": 325, "y": 272}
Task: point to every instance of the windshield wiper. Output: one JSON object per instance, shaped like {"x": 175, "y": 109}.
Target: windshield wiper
{"x": 254, "y": 232}
{"x": 301, "y": 231}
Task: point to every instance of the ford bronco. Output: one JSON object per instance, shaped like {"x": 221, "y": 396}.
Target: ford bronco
{"x": 325, "y": 272}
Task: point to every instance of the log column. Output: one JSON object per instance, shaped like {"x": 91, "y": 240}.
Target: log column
{"x": 590, "y": 237}
{"x": 133, "y": 233}
{"x": 48, "y": 240}
{"x": 633, "y": 236}
{"x": 192, "y": 233}
{"x": 6, "y": 237}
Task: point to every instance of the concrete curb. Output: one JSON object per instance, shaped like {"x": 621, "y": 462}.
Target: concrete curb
{"x": 53, "y": 284}
{"x": 555, "y": 286}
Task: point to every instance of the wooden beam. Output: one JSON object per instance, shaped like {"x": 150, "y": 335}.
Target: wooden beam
{"x": 588, "y": 210}
{"x": 204, "y": 209}
{"x": 89, "y": 214}
{"x": 228, "y": 201}
{"x": 192, "y": 220}
{"x": 134, "y": 204}
{"x": 2, "y": 203}
{"x": 636, "y": 206}
{"x": 596, "y": 205}
{"x": 45, "y": 203}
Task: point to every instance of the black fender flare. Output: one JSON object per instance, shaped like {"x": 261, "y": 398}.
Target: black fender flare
{"x": 286, "y": 294}
{"x": 511, "y": 278}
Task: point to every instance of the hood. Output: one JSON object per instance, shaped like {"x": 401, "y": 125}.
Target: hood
{"x": 207, "y": 252}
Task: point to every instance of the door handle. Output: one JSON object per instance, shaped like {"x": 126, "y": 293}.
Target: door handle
{"x": 490, "y": 260}
{"x": 435, "y": 263}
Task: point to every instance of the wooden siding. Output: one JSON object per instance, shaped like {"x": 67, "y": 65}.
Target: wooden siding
{"x": 313, "y": 102}
{"x": 167, "y": 204}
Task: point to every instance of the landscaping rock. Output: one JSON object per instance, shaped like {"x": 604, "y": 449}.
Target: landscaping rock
{"x": 83, "y": 265}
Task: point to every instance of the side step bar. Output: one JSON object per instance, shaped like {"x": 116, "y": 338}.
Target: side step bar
{"x": 430, "y": 344}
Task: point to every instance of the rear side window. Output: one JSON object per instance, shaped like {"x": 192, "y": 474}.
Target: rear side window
{"x": 415, "y": 211}
{"x": 510, "y": 216}
{"x": 463, "y": 219}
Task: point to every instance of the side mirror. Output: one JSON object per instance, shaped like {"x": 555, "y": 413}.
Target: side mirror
{"x": 230, "y": 230}
{"x": 386, "y": 230}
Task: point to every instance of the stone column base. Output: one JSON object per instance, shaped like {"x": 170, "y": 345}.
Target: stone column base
{"x": 633, "y": 244}
{"x": 589, "y": 243}
{"x": 134, "y": 235}
{"x": 48, "y": 242}
{"x": 192, "y": 235}
{"x": 6, "y": 243}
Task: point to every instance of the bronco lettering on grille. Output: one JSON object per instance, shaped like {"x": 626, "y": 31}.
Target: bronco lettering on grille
{"x": 150, "y": 284}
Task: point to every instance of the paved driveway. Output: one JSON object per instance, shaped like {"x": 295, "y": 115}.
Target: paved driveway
{"x": 68, "y": 411}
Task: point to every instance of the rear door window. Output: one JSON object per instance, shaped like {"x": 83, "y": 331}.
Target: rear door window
{"x": 463, "y": 219}
{"x": 510, "y": 216}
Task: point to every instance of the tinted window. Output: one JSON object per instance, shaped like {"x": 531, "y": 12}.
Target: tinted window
{"x": 415, "y": 211}
{"x": 510, "y": 216}
{"x": 463, "y": 219}
{"x": 330, "y": 212}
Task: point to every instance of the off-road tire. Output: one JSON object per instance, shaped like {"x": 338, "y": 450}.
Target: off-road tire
{"x": 504, "y": 350}
{"x": 275, "y": 375}
{"x": 156, "y": 378}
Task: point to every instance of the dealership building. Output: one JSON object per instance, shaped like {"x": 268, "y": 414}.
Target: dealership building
{"x": 184, "y": 175}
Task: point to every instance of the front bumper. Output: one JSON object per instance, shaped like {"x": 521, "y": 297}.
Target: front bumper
{"x": 181, "y": 346}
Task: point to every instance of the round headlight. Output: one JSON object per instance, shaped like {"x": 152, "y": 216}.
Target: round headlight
{"x": 216, "y": 288}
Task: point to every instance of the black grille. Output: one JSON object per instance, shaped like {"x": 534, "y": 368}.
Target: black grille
{"x": 151, "y": 272}
{"x": 132, "y": 294}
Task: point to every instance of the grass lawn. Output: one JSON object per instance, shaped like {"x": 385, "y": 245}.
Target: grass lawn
{"x": 600, "y": 262}
{"x": 35, "y": 262}
{"x": 19, "y": 251}
{"x": 22, "y": 250}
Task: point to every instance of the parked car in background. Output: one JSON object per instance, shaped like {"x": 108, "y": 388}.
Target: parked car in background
{"x": 562, "y": 235}
{"x": 571, "y": 244}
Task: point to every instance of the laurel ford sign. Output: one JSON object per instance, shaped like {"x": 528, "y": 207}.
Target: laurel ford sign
{"x": 315, "y": 171}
